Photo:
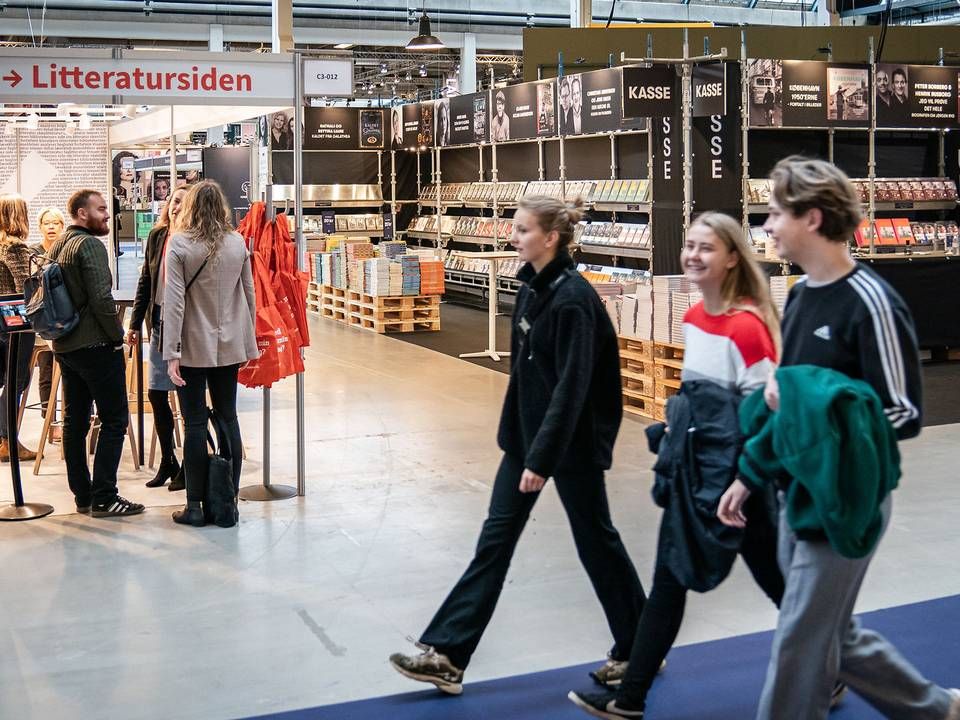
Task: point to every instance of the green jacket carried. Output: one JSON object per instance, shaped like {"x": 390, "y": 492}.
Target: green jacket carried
{"x": 833, "y": 450}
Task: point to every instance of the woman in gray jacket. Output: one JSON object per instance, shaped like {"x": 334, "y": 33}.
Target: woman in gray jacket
{"x": 208, "y": 329}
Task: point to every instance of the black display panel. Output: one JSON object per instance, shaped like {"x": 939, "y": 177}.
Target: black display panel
{"x": 800, "y": 93}
{"x": 589, "y": 102}
{"x": 587, "y": 158}
{"x": 469, "y": 119}
{"x": 717, "y": 170}
{"x": 920, "y": 96}
{"x": 709, "y": 89}
{"x": 331, "y": 128}
{"x": 667, "y": 215}
{"x": 230, "y": 166}
{"x": 328, "y": 168}
{"x": 371, "y": 129}
{"x": 524, "y": 111}
{"x": 460, "y": 165}
{"x": 517, "y": 162}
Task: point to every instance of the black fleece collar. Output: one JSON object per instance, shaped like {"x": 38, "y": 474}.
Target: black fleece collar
{"x": 555, "y": 268}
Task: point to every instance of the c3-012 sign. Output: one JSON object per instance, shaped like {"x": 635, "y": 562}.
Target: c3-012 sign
{"x": 330, "y": 77}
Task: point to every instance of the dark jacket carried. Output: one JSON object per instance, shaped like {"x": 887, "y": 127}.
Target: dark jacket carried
{"x": 563, "y": 405}
{"x": 86, "y": 272}
{"x": 149, "y": 277}
{"x": 696, "y": 462}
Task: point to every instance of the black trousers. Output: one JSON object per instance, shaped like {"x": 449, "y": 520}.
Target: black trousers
{"x": 663, "y": 612}
{"x": 27, "y": 341}
{"x": 459, "y": 623}
{"x": 222, "y": 382}
{"x": 93, "y": 375}
{"x": 45, "y": 380}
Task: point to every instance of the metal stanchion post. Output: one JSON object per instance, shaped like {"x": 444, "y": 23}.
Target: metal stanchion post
{"x": 19, "y": 510}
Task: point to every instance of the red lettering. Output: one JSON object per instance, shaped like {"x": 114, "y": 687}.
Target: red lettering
{"x": 37, "y": 82}
{"x": 75, "y": 76}
{"x": 226, "y": 83}
{"x": 183, "y": 81}
{"x": 92, "y": 80}
{"x": 123, "y": 81}
{"x": 244, "y": 83}
{"x": 138, "y": 79}
{"x": 64, "y": 78}
{"x": 154, "y": 81}
{"x": 208, "y": 81}
{"x": 170, "y": 78}
{"x": 107, "y": 74}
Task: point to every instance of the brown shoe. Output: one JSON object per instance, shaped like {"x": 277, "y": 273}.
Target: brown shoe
{"x": 26, "y": 454}
{"x": 430, "y": 666}
{"x": 4, "y": 450}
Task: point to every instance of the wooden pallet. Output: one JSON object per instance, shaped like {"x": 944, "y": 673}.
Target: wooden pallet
{"x": 667, "y": 369}
{"x": 636, "y": 350}
{"x": 664, "y": 389}
{"x": 638, "y": 385}
{"x": 659, "y": 410}
{"x": 636, "y": 404}
{"x": 403, "y": 326}
{"x": 667, "y": 351}
{"x": 416, "y": 313}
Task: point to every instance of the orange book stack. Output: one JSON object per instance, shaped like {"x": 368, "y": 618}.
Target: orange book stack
{"x": 431, "y": 277}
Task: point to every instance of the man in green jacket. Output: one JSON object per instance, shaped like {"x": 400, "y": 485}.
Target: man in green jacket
{"x": 91, "y": 361}
{"x": 846, "y": 318}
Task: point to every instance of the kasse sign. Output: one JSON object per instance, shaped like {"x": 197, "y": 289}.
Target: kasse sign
{"x": 650, "y": 92}
{"x": 143, "y": 77}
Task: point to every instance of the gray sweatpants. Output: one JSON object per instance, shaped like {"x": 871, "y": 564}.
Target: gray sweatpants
{"x": 817, "y": 642}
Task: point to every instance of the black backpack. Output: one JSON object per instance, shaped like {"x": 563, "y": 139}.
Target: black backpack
{"x": 50, "y": 308}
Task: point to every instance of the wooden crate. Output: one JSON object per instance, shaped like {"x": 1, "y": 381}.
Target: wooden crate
{"x": 659, "y": 410}
{"x": 664, "y": 389}
{"x": 633, "y": 349}
{"x": 667, "y": 351}
{"x": 667, "y": 369}
{"x": 635, "y": 404}
{"x": 638, "y": 384}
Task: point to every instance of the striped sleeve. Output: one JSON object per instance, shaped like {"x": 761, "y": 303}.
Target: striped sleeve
{"x": 757, "y": 353}
{"x": 889, "y": 358}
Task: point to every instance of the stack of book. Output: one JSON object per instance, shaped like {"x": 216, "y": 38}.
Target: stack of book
{"x": 431, "y": 277}
{"x": 392, "y": 248}
{"x": 376, "y": 276}
{"x": 665, "y": 287}
{"x": 410, "y": 271}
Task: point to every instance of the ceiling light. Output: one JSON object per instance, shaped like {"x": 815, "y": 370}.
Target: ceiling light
{"x": 33, "y": 121}
{"x": 407, "y": 77}
{"x": 425, "y": 40}
{"x": 383, "y": 68}
{"x": 84, "y": 121}
{"x": 343, "y": 46}
{"x": 423, "y": 71}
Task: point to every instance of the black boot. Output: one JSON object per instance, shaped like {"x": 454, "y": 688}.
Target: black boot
{"x": 169, "y": 468}
{"x": 178, "y": 482}
{"x": 192, "y": 514}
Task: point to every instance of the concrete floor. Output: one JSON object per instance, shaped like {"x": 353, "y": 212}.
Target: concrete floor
{"x": 301, "y": 605}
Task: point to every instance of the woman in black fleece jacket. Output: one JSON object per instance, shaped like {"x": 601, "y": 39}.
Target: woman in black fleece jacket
{"x": 560, "y": 419}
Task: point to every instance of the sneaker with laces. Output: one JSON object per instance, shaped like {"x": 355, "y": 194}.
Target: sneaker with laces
{"x": 611, "y": 673}
{"x": 430, "y": 666}
{"x": 603, "y": 705}
{"x": 83, "y": 509}
{"x": 118, "y": 507}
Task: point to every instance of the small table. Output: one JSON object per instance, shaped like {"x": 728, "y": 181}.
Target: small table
{"x": 494, "y": 258}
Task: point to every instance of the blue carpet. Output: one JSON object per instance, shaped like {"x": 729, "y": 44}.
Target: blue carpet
{"x": 719, "y": 680}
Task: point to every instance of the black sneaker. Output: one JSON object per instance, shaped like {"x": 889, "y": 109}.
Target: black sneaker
{"x": 83, "y": 509}
{"x": 430, "y": 666}
{"x": 602, "y": 705}
{"x": 119, "y": 506}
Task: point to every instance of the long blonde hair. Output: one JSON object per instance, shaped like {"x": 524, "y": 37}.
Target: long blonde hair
{"x": 165, "y": 221}
{"x": 746, "y": 286}
{"x": 205, "y": 215}
{"x": 14, "y": 219}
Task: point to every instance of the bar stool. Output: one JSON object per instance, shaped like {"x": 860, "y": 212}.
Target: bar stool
{"x": 94, "y": 425}
{"x": 38, "y": 350}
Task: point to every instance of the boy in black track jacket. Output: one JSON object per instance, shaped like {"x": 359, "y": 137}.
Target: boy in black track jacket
{"x": 560, "y": 419}
{"x": 845, "y": 318}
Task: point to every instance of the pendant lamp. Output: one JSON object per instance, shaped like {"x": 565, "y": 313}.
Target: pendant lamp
{"x": 424, "y": 40}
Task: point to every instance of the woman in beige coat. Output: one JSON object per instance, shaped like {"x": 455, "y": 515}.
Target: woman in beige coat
{"x": 208, "y": 329}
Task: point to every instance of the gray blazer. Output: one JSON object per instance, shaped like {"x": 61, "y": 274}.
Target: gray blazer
{"x": 214, "y": 325}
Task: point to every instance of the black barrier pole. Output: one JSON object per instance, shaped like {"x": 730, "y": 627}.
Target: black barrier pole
{"x": 19, "y": 510}
{"x": 138, "y": 359}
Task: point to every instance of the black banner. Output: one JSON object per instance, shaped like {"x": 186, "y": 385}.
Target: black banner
{"x": 230, "y": 166}
{"x": 717, "y": 172}
{"x": 800, "y": 93}
{"x": 425, "y": 135}
{"x": 916, "y": 96}
{"x": 709, "y": 89}
{"x": 589, "y": 102}
{"x": 387, "y": 233}
{"x": 524, "y": 111}
{"x": 667, "y": 215}
{"x": 371, "y": 129}
{"x": 331, "y": 128}
{"x": 650, "y": 92}
{"x": 469, "y": 120}
{"x": 406, "y": 120}
{"x": 329, "y": 221}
